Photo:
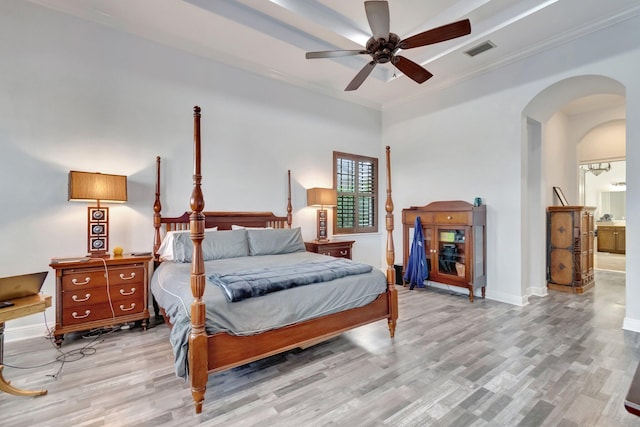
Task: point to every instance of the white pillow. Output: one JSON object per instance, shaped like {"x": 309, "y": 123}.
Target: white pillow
{"x": 242, "y": 227}
{"x": 165, "y": 252}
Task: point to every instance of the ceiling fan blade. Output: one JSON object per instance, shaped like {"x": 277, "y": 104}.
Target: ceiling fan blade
{"x": 334, "y": 53}
{"x": 378, "y": 16}
{"x": 412, "y": 70}
{"x": 436, "y": 35}
{"x": 361, "y": 76}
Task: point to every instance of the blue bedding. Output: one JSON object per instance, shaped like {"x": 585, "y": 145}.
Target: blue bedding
{"x": 254, "y": 283}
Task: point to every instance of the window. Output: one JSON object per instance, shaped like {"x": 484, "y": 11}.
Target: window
{"x": 356, "y": 181}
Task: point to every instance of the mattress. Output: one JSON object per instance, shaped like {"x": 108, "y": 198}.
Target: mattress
{"x": 170, "y": 285}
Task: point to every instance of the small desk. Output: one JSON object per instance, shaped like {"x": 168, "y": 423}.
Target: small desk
{"x": 22, "y": 307}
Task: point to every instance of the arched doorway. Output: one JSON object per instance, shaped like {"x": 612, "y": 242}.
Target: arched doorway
{"x": 550, "y": 158}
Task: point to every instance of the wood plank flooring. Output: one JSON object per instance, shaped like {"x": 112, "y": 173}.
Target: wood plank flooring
{"x": 609, "y": 261}
{"x": 563, "y": 360}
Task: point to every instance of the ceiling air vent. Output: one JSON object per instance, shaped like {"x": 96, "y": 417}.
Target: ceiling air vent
{"x": 482, "y": 47}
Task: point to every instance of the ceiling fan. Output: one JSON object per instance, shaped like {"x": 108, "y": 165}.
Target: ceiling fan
{"x": 383, "y": 45}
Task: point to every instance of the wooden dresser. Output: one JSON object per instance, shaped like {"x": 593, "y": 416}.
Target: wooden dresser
{"x": 570, "y": 248}
{"x": 88, "y": 298}
{"x": 336, "y": 248}
{"x": 454, "y": 242}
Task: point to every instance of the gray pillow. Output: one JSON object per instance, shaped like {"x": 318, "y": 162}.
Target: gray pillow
{"x": 275, "y": 241}
{"x": 216, "y": 245}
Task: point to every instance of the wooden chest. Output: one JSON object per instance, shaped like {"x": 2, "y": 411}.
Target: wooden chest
{"x": 570, "y": 248}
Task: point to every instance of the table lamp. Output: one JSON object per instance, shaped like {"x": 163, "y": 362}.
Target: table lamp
{"x": 99, "y": 188}
{"x": 322, "y": 197}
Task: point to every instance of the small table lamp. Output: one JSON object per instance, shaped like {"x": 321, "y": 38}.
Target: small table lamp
{"x": 322, "y": 197}
{"x": 98, "y": 187}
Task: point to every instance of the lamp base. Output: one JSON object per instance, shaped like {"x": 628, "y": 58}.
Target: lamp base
{"x": 322, "y": 226}
{"x": 98, "y": 231}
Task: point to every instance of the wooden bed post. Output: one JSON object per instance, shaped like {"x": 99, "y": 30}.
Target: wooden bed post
{"x": 157, "y": 207}
{"x": 391, "y": 256}
{"x": 289, "y": 208}
{"x": 198, "y": 358}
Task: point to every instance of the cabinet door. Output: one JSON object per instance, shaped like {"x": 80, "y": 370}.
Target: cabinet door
{"x": 621, "y": 240}
{"x": 452, "y": 253}
{"x": 606, "y": 239}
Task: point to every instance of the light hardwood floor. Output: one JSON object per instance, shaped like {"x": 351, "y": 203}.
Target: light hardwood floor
{"x": 609, "y": 261}
{"x": 563, "y": 360}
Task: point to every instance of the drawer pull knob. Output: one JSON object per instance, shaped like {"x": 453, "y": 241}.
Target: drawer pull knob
{"x": 133, "y": 305}
{"x": 77, "y": 316}
{"x": 133, "y": 275}
{"x": 86, "y": 281}
{"x": 449, "y": 217}
{"x": 122, "y": 292}
{"x": 343, "y": 252}
{"x": 76, "y": 299}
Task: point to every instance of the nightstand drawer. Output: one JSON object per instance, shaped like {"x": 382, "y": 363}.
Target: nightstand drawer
{"x": 83, "y": 313}
{"x": 344, "y": 252}
{"x": 95, "y": 277}
{"x": 97, "y": 295}
{"x": 334, "y": 248}
{"x": 82, "y": 279}
{"x": 127, "y": 275}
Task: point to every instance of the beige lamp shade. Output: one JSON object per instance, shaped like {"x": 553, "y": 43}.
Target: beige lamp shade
{"x": 92, "y": 186}
{"x": 322, "y": 197}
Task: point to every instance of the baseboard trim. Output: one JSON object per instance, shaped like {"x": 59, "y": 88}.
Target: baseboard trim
{"x": 492, "y": 295}
{"x": 538, "y": 291}
{"x": 632, "y": 325}
{"x": 26, "y": 332}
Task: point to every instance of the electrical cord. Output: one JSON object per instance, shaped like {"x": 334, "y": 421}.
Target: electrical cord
{"x": 64, "y": 357}
{"x": 106, "y": 277}
{"x": 86, "y": 350}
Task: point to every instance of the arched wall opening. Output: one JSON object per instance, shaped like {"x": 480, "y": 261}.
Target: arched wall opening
{"x": 550, "y": 158}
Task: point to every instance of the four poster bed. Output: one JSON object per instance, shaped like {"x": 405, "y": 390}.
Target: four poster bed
{"x": 220, "y": 332}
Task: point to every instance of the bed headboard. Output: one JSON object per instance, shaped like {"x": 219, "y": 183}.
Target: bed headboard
{"x": 221, "y": 219}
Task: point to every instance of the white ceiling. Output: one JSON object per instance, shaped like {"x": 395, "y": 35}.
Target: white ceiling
{"x": 270, "y": 37}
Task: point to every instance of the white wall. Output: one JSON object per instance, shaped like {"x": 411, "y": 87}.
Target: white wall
{"x": 605, "y": 142}
{"x": 560, "y": 161}
{"x": 465, "y": 141}
{"x": 74, "y": 95}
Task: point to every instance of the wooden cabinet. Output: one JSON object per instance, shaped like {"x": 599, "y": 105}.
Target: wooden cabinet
{"x": 335, "y": 248}
{"x": 611, "y": 238}
{"x": 454, "y": 242}
{"x": 570, "y": 248}
{"x": 91, "y": 293}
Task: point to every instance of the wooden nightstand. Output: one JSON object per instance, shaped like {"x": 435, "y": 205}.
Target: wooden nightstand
{"x": 88, "y": 298}
{"x": 336, "y": 248}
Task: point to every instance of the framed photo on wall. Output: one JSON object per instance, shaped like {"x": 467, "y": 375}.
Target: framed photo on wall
{"x": 561, "y": 197}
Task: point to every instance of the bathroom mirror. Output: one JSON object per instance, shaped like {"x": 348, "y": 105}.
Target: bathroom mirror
{"x": 613, "y": 203}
